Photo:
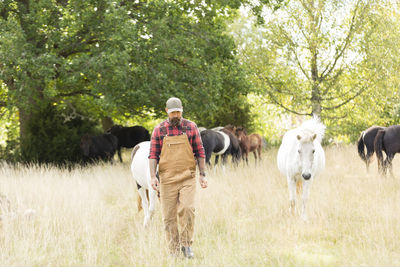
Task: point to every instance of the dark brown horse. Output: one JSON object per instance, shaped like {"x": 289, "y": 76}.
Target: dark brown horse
{"x": 387, "y": 140}
{"x": 367, "y": 139}
{"x": 129, "y": 136}
{"x": 230, "y": 128}
{"x": 249, "y": 143}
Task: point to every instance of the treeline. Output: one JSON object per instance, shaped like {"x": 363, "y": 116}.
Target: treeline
{"x": 69, "y": 67}
{"x": 66, "y": 65}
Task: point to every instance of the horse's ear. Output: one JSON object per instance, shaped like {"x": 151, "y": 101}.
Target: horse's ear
{"x": 298, "y": 137}
{"x": 314, "y": 136}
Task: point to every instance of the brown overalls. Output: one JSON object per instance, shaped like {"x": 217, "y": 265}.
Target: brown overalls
{"x": 177, "y": 169}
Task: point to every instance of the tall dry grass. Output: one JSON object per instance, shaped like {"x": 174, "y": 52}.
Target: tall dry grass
{"x": 88, "y": 217}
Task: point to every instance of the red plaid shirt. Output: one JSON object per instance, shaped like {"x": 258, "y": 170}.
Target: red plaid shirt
{"x": 164, "y": 128}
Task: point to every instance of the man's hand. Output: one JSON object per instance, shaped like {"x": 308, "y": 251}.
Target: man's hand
{"x": 154, "y": 183}
{"x": 203, "y": 181}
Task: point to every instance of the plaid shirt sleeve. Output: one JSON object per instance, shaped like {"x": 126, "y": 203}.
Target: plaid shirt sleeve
{"x": 197, "y": 144}
{"x": 155, "y": 144}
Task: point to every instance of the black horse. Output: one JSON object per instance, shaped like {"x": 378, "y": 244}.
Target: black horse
{"x": 129, "y": 136}
{"x": 222, "y": 143}
{"x": 101, "y": 147}
{"x": 387, "y": 140}
{"x": 367, "y": 139}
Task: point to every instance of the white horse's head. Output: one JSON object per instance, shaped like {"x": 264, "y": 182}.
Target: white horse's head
{"x": 306, "y": 150}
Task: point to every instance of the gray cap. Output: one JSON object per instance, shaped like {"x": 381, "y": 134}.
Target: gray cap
{"x": 174, "y": 104}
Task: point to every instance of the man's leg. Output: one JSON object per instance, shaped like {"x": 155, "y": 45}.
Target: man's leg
{"x": 186, "y": 211}
{"x": 169, "y": 201}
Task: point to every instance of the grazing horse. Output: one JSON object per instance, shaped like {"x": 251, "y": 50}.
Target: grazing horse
{"x": 234, "y": 148}
{"x": 141, "y": 173}
{"x": 301, "y": 158}
{"x": 218, "y": 128}
{"x": 367, "y": 139}
{"x": 230, "y": 128}
{"x": 249, "y": 143}
{"x": 201, "y": 129}
{"x": 129, "y": 136}
{"x": 216, "y": 142}
{"x": 388, "y": 140}
{"x": 101, "y": 147}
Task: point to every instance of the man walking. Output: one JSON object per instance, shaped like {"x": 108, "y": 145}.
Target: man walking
{"x": 175, "y": 143}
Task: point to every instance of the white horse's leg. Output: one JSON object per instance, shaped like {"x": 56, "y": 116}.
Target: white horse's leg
{"x": 145, "y": 205}
{"x": 224, "y": 160}
{"x": 153, "y": 201}
{"x": 306, "y": 188}
{"x": 292, "y": 194}
{"x": 223, "y": 169}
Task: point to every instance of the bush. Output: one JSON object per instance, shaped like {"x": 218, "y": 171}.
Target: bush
{"x": 52, "y": 139}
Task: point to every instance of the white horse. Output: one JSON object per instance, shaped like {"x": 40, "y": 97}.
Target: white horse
{"x": 301, "y": 158}
{"x": 141, "y": 173}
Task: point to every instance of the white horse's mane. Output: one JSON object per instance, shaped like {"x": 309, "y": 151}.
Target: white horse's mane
{"x": 313, "y": 126}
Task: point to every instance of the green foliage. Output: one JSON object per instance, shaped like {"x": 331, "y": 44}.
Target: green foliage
{"x": 53, "y": 138}
{"x": 9, "y": 146}
{"x": 339, "y": 61}
{"x": 122, "y": 59}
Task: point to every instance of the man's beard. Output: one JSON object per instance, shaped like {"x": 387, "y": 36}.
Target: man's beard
{"x": 175, "y": 121}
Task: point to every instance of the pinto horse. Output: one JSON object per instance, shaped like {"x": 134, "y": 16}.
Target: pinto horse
{"x": 301, "y": 158}
{"x": 234, "y": 149}
{"x": 367, "y": 139}
{"x": 141, "y": 174}
{"x": 388, "y": 140}
{"x": 216, "y": 142}
{"x": 249, "y": 143}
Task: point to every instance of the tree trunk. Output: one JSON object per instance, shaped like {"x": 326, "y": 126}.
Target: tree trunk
{"x": 315, "y": 91}
{"x": 107, "y": 123}
{"x": 26, "y": 107}
{"x": 24, "y": 117}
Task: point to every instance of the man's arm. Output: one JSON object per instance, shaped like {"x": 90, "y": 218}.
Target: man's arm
{"x": 203, "y": 180}
{"x": 201, "y": 162}
{"x": 153, "y": 170}
{"x": 155, "y": 148}
{"x": 198, "y": 150}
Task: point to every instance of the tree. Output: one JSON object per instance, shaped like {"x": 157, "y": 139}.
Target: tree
{"x": 305, "y": 57}
{"x": 380, "y": 46}
{"x": 120, "y": 58}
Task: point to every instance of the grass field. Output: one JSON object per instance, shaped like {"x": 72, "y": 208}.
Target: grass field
{"x": 89, "y": 217}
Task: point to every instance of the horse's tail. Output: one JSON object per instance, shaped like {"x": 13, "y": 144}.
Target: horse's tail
{"x": 134, "y": 151}
{"x": 360, "y": 147}
{"x": 299, "y": 186}
{"x": 378, "y": 146}
{"x": 139, "y": 201}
